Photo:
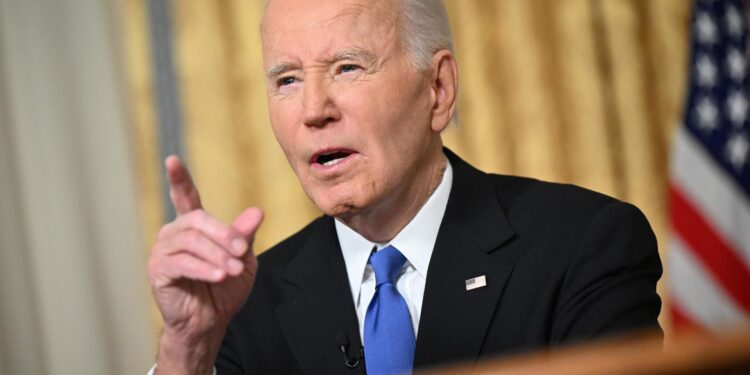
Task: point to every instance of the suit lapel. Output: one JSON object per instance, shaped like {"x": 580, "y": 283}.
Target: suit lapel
{"x": 318, "y": 312}
{"x": 454, "y": 321}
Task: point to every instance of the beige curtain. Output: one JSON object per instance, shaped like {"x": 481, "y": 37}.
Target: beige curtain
{"x": 580, "y": 91}
{"x": 74, "y": 298}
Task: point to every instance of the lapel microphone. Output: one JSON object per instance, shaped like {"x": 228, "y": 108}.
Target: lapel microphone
{"x": 350, "y": 360}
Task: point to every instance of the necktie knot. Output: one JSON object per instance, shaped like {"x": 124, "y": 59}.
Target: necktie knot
{"x": 386, "y": 264}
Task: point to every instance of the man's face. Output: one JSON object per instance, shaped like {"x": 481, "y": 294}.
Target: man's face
{"x": 351, "y": 114}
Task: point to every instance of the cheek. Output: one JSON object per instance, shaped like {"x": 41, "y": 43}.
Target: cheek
{"x": 283, "y": 123}
{"x": 403, "y": 123}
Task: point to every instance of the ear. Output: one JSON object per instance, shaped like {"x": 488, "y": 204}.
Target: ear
{"x": 444, "y": 89}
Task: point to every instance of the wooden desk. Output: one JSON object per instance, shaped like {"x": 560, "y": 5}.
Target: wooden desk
{"x": 687, "y": 354}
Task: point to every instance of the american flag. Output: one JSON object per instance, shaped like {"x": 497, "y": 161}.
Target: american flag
{"x": 710, "y": 176}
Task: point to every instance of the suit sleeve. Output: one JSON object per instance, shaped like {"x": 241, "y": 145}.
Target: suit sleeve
{"x": 610, "y": 282}
{"x": 228, "y": 360}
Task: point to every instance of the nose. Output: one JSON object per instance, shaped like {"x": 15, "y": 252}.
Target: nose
{"x": 319, "y": 106}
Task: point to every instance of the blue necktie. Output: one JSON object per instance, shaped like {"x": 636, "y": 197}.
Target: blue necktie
{"x": 389, "y": 336}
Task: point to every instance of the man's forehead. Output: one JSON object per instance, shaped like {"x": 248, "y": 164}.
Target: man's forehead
{"x": 299, "y": 25}
{"x": 282, "y": 14}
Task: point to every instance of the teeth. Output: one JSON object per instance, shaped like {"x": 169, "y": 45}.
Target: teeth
{"x": 332, "y": 162}
{"x": 332, "y": 158}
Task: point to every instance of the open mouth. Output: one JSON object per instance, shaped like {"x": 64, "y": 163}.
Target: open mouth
{"x": 330, "y": 157}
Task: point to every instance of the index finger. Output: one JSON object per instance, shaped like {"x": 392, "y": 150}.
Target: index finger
{"x": 182, "y": 191}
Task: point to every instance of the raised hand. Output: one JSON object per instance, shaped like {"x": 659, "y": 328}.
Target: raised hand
{"x": 201, "y": 271}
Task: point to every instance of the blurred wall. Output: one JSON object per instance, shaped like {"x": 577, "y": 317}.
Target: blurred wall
{"x": 73, "y": 291}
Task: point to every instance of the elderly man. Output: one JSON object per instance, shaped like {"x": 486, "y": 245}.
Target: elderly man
{"x": 420, "y": 259}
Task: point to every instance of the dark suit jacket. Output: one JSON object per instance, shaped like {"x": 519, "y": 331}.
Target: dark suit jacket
{"x": 562, "y": 264}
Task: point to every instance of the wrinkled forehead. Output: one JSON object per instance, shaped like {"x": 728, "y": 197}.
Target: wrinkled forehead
{"x": 277, "y": 10}
{"x": 290, "y": 20}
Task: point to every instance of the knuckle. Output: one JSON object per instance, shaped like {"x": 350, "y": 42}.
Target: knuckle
{"x": 191, "y": 237}
{"x": 156, "y": 249}
{"x": 224, "y": 234}
{"x": 182, "y": 262}
{"x": 164, "y": 231}
{"x": 196, "y": 217}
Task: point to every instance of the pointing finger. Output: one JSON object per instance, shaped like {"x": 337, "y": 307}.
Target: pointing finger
{"x": 182, "y": 191}
{"x": 248, "y": 221}
{"x": 246, "y": 224}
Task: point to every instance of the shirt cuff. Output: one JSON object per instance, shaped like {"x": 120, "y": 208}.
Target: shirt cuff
{"x": 153, "y": 368}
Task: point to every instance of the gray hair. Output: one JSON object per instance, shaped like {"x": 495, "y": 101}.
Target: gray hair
{"x": 426, "y": 30}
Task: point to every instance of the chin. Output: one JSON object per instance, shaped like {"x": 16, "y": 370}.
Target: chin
{"x": 335, "y": 204}
{"x": 342, "y": 211}
{"x": 337, "y": 208}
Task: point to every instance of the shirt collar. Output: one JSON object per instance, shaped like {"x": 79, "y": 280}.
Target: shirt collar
{"x": 416, "y": 240}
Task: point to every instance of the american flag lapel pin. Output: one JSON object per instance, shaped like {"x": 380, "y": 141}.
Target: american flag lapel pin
{"x": 476, "y": 282}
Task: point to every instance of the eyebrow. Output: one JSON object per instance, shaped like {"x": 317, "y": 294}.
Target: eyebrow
{"x": 277, "y": 69}
{"x": 354, "y": 54}
{"x": 346, "y": 54}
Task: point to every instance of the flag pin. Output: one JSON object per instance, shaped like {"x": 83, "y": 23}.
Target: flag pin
{"x": 476, "y": 282}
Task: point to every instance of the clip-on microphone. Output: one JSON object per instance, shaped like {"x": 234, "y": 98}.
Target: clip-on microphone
{"x": 351, "y": 361}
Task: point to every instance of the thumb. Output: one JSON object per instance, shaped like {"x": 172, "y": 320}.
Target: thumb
{"x": 248, "y": 221}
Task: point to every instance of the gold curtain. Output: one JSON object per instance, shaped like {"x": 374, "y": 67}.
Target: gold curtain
{"x": 580, "y": 91}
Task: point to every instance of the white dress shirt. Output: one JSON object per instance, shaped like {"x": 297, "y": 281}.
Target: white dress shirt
{"x": 416, "y": 241}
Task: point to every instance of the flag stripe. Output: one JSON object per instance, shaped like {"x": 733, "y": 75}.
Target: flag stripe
{"x": 712, "y": 192}
{"x": 697, "y": 293}
{"x": 682, "y": 321}
{"x": 718, "y": 256}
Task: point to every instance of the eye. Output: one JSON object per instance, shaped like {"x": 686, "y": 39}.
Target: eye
{"x": 347, "y": 68}
{"x": 285, "y": 81}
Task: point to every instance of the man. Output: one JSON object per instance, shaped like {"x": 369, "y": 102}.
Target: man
{"x": 480, "y": 265}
